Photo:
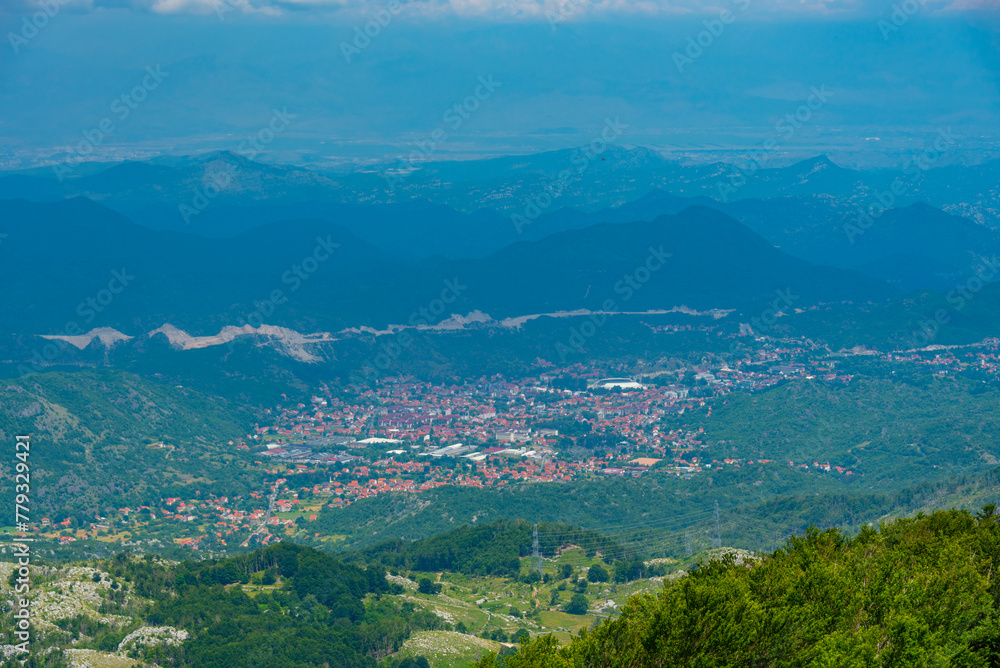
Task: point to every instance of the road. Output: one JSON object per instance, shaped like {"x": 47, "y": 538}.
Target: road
{"x": 267, "y": 516}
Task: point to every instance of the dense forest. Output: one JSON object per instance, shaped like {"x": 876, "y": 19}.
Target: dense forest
{"x": 917, "y": 591}
{"x": 656, "y": 515}
{"x": 891, "y": 427}
{"x": 921, "y": 591}
{"x": 490, "y": 549}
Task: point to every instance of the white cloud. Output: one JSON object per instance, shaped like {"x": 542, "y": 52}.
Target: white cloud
{"x": 222, "y": 7}
{"x": 183, "y": 6}
{"x": 537, "y": 9}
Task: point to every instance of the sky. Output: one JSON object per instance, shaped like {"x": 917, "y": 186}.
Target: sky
{"x": 360, "y": 79}
{"x": 506, "y": 9}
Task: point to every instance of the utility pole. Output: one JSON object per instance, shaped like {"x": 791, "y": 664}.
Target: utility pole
{"x": 717, "y": 543}
{"x": 536, "y": 556}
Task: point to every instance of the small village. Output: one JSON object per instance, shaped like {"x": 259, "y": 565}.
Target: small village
{"x": 409, "y": 436}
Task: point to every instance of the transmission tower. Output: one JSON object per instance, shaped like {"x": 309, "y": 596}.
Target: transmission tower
{"x": 717, "y": 541}
{"x": 687, "y": 543}
{"x": 536, "y": 556}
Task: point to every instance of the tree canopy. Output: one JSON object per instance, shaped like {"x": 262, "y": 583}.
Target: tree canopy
{"x": 921, "y": 591}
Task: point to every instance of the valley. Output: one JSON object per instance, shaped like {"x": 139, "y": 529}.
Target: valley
{"x": 499, "y": 334}
{"x": 689, "y": 446}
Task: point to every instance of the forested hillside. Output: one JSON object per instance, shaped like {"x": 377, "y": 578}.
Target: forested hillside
{"x": 104, "y": 439}
{"x": 490, "y": 549}
{"x": 921, "y": 591}
{"x": 887, "y": 428}
{"x": 284, "y": 607}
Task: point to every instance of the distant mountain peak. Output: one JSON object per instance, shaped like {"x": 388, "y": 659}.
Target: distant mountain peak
{"x": 225, "y": 156}
{"x": 817, "y": 163}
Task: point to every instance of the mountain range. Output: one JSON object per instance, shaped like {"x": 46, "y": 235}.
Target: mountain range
{"x": 936, "y": 232}
{"x": 320, "y": 253}
{"x": 153, "y": 192}
{"x": 313, "y": 275}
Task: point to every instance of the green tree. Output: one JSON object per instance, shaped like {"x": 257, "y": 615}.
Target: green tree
{"x": 598, "y": 573}
{"x": 426, "y": 586}
{"x": 577, "y": 605}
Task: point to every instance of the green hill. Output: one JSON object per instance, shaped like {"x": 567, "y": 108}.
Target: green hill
{"x": 915, "y": 592}
{"x": 281, "y": 607}
{"x": 104, "y": 439}
{"x": 489, "y": 549}
{"x": 889, "y": 430}
{"x": 919, "y": 591}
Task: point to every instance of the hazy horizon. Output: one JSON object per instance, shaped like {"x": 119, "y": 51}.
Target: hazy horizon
{"x": 886, "y": 80}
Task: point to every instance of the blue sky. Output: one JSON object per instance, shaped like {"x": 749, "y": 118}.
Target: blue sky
{"x": 563, "y": 67}
{"x": 497, "y": 9}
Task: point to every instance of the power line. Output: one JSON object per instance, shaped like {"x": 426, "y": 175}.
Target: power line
{"x": 536, "y": 556}
{"x": 766, "y": 537}
{"x": 642, "y": 524}
{"x": 717, "y": 543}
